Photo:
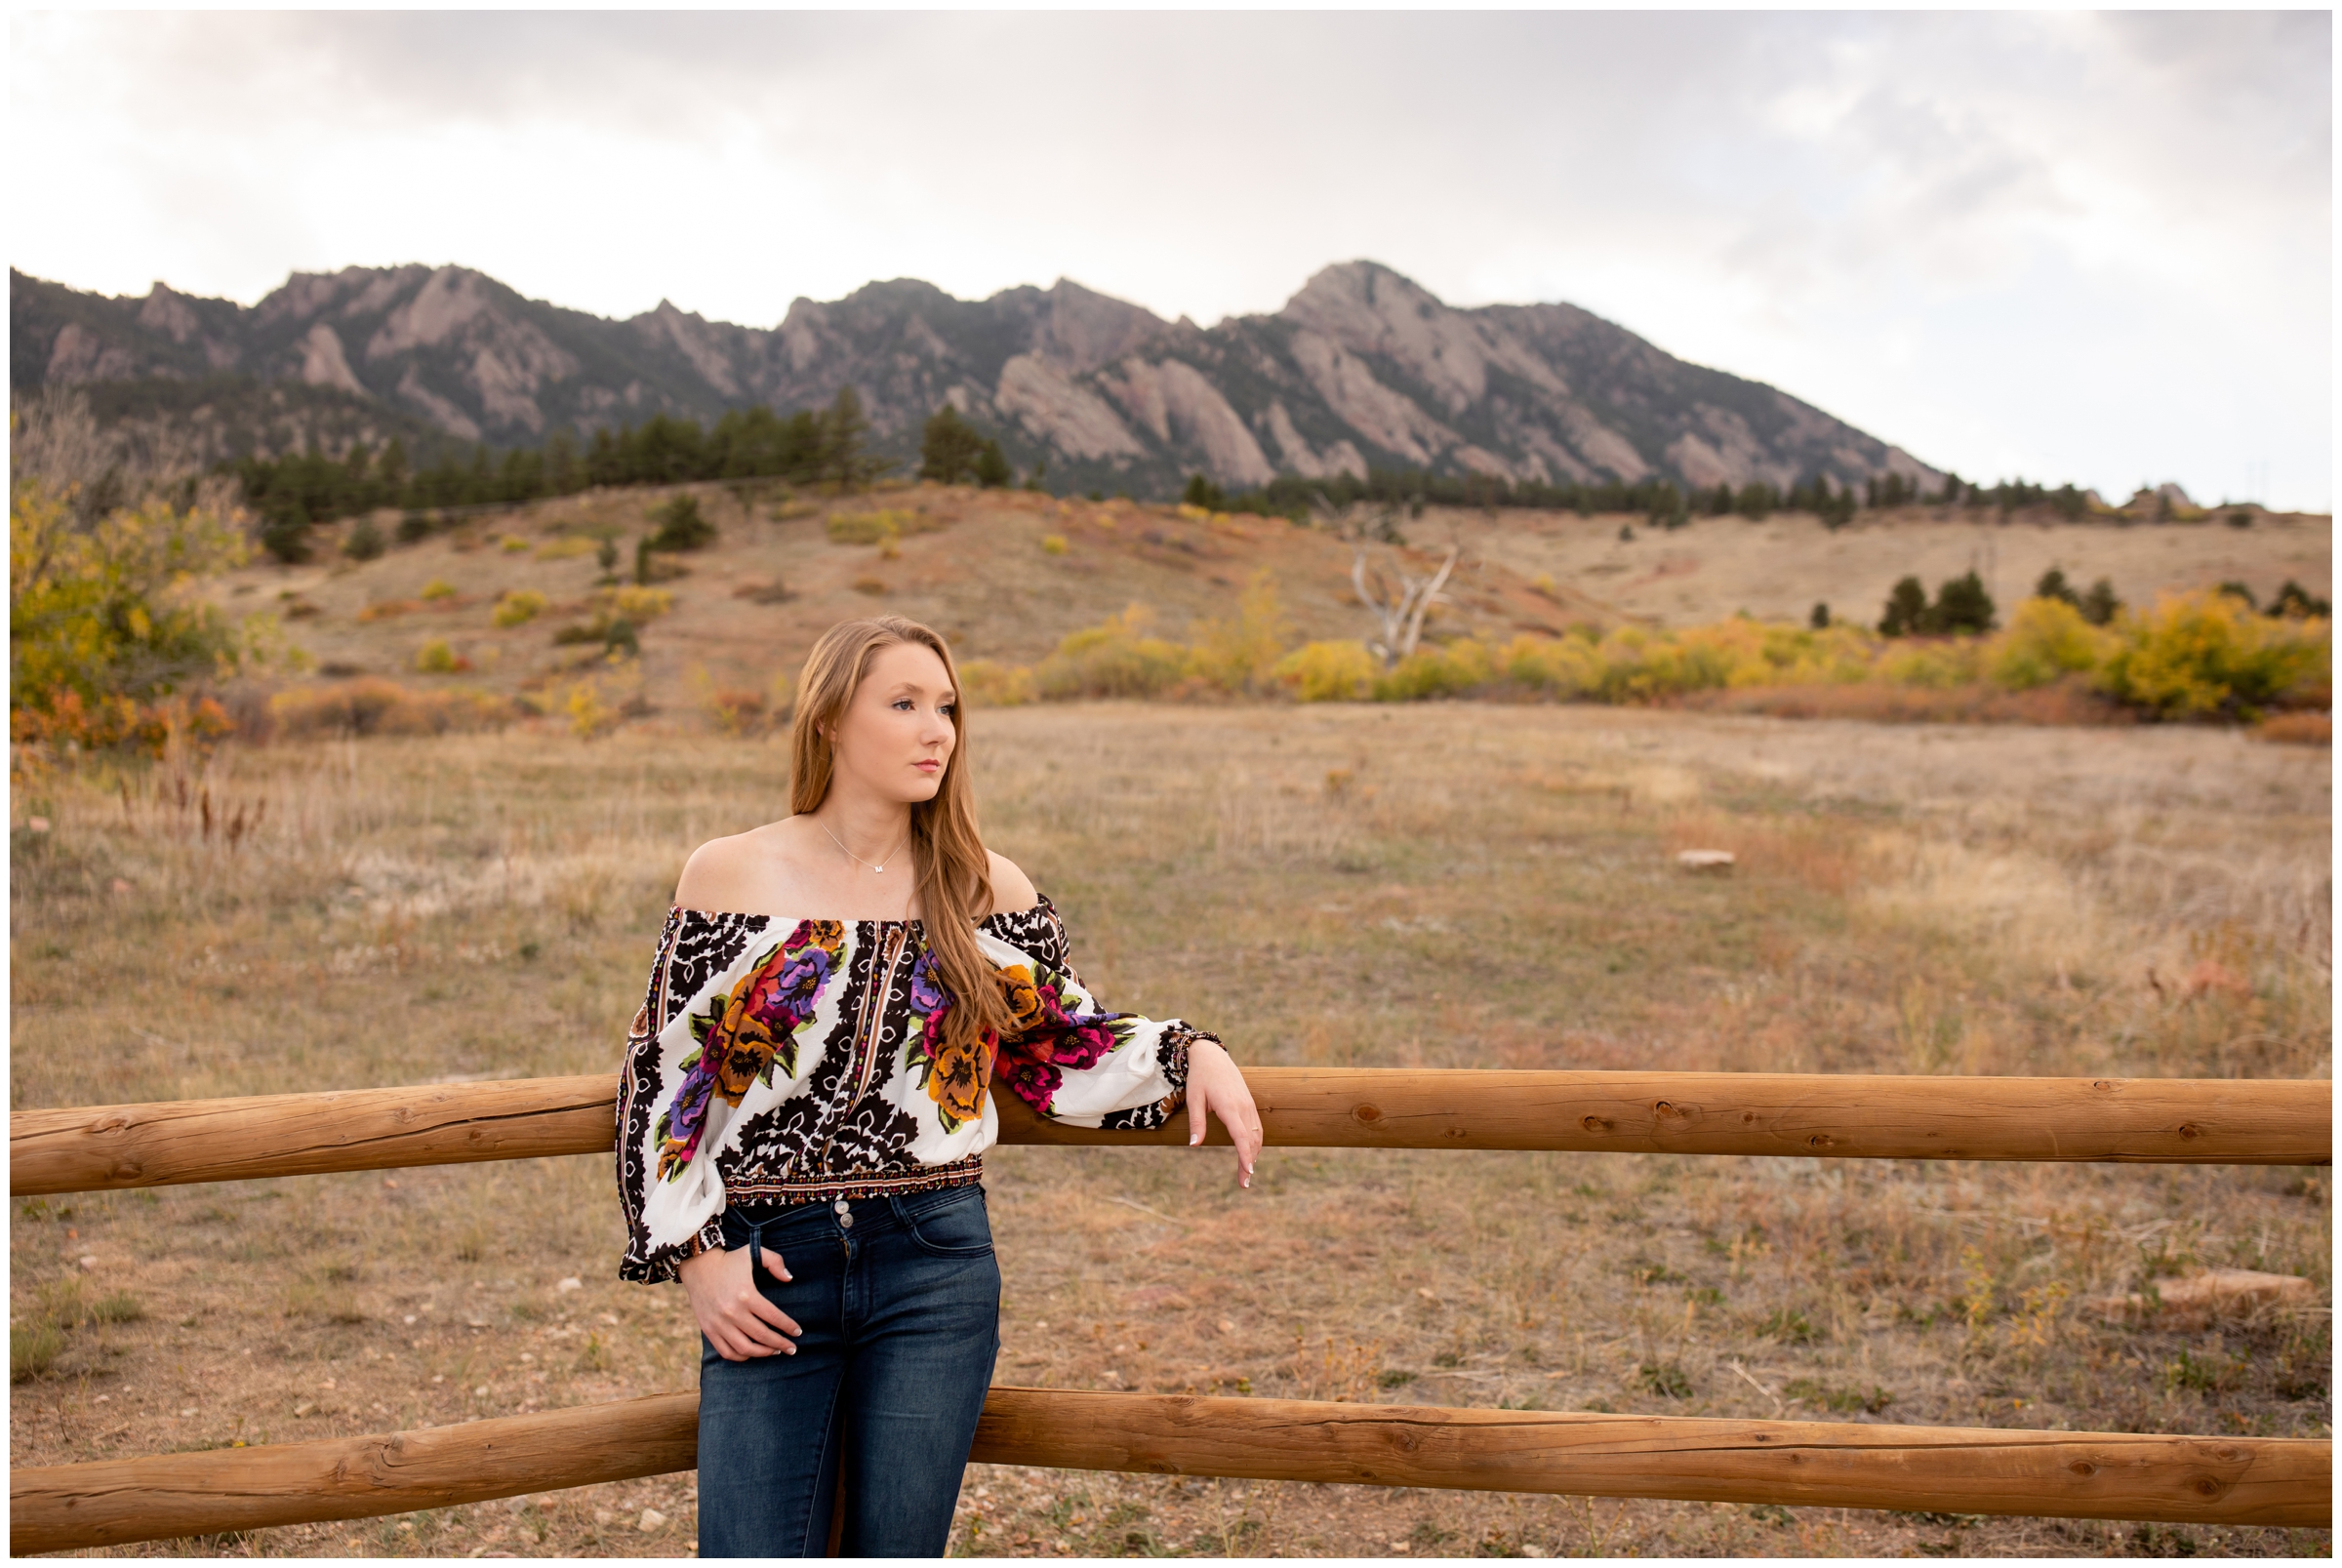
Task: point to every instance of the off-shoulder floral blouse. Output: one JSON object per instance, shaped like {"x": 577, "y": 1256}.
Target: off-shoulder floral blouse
{"x": 781, "y": 1062}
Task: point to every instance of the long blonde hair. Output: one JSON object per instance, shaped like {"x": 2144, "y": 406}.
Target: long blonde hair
{"x": 954, "y": 874}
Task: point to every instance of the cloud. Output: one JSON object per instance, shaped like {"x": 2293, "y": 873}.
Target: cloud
{"x": 1909, "y": 218}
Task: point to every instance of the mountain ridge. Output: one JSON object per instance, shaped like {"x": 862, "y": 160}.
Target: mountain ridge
{"x": 1361, "y": 367}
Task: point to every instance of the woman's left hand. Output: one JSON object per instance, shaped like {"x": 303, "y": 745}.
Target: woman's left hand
{"x": 1216, "y": 1088}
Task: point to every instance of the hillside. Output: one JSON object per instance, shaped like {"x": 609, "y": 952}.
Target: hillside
{"x": 751, "y": 604}
{"x": 1782, "y": 566}
{"x": 976, "y": 566}
{"x": 1361, "y": 368}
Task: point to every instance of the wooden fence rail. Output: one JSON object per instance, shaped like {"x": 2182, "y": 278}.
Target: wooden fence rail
{"x": 2100, "y": 1475}
{"x": 2179, "y": 1480}
{"x": 2198, "y": 1121}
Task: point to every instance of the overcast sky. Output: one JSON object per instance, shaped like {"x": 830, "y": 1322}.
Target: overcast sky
{"x": 2066, "y": 246}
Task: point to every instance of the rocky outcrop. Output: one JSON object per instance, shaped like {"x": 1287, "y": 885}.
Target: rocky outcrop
{"x": 1061, "y": 414}
{"x": 323, "y": 362}
{"x": 1362, "y": 367}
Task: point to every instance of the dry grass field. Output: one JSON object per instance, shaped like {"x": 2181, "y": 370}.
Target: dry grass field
{"x": 1442, "y": 884}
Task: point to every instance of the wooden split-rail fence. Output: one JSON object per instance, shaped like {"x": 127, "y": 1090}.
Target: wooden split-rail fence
{"x": 2108, "y": 1475}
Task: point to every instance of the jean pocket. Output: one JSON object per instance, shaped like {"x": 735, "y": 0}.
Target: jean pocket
{"x": 950, "y": 1227}
{"x": 781, "y": 1231}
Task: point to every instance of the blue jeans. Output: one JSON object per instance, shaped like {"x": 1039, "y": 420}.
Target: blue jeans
{"x": 901, "y": 1313}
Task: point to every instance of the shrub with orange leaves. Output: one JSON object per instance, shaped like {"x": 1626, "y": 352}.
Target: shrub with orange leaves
{"x": 106, "y": 632}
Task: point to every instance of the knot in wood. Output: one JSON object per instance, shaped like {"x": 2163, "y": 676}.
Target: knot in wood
{"x": 1369, "y": 1114}
{"x": 1594, "y": 1124}
{"x": 2188, "y": 1129}
{"x": 1457, "y": 1132}
{"x": 2083, "y": 1467}
{"x": 1820, "y": 1140}
{"x": 2204, "y": 1486}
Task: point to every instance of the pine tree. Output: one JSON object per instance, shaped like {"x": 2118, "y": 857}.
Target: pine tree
{"x": 800, "y": 460}
{"x": 601, "y": 459}
{"x": 1202, "y": 492}
{"x": 993, "y": 471}
{"x": 561, "y": 476}
{"x": 1962, "y": 605}
{"x": 2053, "y": 585}
{"x": 392, "y": 470}
{"x": 1906, "y": 611}
{"x": 845, "y": 429}
{"x": 2296, "y": 603}
{"x": 2099, "y": 606}
{"x": 949, "y": 448}
{"x": 287, "y": 538}
{"x": 681, "y": 527}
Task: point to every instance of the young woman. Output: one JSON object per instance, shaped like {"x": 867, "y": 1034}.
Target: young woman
{"x": 804, "y": 1110}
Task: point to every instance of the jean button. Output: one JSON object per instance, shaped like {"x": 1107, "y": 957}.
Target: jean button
{"x": 845, "y": 1216}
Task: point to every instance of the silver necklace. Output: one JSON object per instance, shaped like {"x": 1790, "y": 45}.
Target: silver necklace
{"x": 850, "y": 855}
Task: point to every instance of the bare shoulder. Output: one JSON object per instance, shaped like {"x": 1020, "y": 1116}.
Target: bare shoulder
{"x": 1012, "y": 889}
{"x": 729, "y": 873}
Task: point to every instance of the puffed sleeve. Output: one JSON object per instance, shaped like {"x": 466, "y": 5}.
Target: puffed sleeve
{"x": 649, "y": 1259}
{"x": 1066, "y": 1055}
{"x": 715, "y": 1044}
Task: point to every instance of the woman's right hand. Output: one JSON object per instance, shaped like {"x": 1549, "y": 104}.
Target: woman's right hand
{"x": 731, "y": 1310}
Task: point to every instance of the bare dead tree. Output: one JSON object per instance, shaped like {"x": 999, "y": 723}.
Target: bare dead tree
{"x": 1398, "y": 599}
{"x": 96, "y": 467}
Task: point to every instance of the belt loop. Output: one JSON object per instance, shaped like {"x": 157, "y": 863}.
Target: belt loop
{"x": 895, "y": 1202}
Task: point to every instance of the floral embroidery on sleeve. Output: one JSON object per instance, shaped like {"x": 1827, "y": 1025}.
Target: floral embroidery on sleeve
{"x": 743, "y": 1035}
{"x": 1047, "y": 1038}
{"x": 955, "y": 1077}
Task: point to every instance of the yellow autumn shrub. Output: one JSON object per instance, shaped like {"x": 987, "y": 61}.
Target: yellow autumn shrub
{"x": 1339, "y": 671}
{"x": 2047, "y": 639}
{"x": 2205, "y": 653}
{"x": 517, "y": 608}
